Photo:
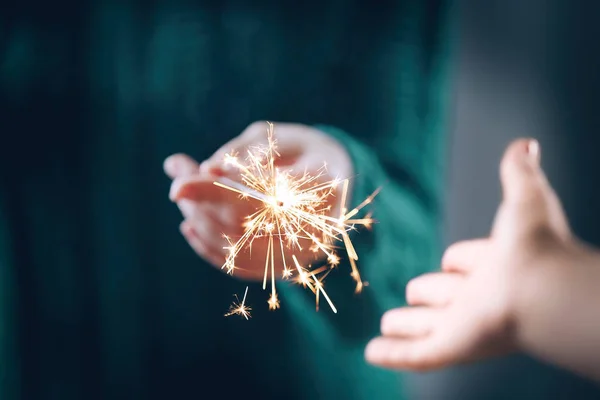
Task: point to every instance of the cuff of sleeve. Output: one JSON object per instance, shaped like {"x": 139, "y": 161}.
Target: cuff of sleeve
{"x": 363, "y": 183}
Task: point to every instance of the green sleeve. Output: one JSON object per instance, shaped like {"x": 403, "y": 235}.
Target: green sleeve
{"x": 404, "y": 241}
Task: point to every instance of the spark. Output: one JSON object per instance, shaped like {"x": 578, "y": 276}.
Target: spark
{"x": 293, "y": 208}
{"x": 240, "y": 308}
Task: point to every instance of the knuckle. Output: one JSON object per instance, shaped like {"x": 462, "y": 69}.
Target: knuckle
{"x": 452, "y": 250}
{"x": 534, "y": 227}
{"x": 255, "y": 128}
{"x": 540, "y": 237}
{"x": 454, "y": 247}
{"x": 530, "y": 195}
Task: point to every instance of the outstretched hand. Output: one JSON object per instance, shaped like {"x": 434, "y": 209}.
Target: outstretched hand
{"x": 469, "y": 311}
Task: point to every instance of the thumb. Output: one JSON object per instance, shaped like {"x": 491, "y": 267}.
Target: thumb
{"x": 288, "y": 146}
{"x": 529, "y": 202}
{"x": 255, "y": 134}
{"x": 522, "y": 178}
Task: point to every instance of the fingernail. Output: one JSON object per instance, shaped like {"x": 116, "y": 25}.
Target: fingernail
{"x": 533, "y": 150}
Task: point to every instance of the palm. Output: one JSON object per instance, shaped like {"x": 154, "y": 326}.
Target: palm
{"x": 471, "y": 330}
{"x": 458, "y": 315}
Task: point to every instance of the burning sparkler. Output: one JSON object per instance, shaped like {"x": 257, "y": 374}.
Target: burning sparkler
{"x": 292, "y": 208}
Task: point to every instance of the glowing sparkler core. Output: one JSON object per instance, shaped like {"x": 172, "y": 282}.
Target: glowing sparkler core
{"x": 292, "y": 208}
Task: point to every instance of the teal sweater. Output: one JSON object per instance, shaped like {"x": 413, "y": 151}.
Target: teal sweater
{"x": 100, "y": 296}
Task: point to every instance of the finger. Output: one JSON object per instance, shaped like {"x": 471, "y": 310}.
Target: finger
{"x": 212, "y": 232}
{"x": 434, "y": 290}
{"x": 193, "y": 211}
{"x": 520, "y": 172}
{"x": 419, "y": 354}
{"x": 464, "y": 256}
{"x": 426, "y": 353}
{"x": 199, "y": 244}
{"x": 179, "y": 165}
{"x": 198, "y": 189}
{"x": 408, "y": 322}
{"x": 226, "y": 217}
{"x": 528, "y": 199}
{"x": 190, "y": 209}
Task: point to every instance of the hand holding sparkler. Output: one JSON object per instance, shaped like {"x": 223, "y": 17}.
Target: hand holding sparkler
{"x": 214, "y": 217}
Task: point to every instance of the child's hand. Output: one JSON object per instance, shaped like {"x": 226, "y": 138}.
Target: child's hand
{"x": 471, "y": 309}
{"x": 210, "y": 211}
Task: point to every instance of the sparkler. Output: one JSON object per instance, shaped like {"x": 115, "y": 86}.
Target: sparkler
{"x": 292, "y": 208}
{"x": 240, "y": 308}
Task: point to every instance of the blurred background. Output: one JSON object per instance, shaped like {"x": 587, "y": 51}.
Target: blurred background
{"x": 525, "y": 68}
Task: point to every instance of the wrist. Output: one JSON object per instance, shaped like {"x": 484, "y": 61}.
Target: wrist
{"x": 543, "y": 287}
